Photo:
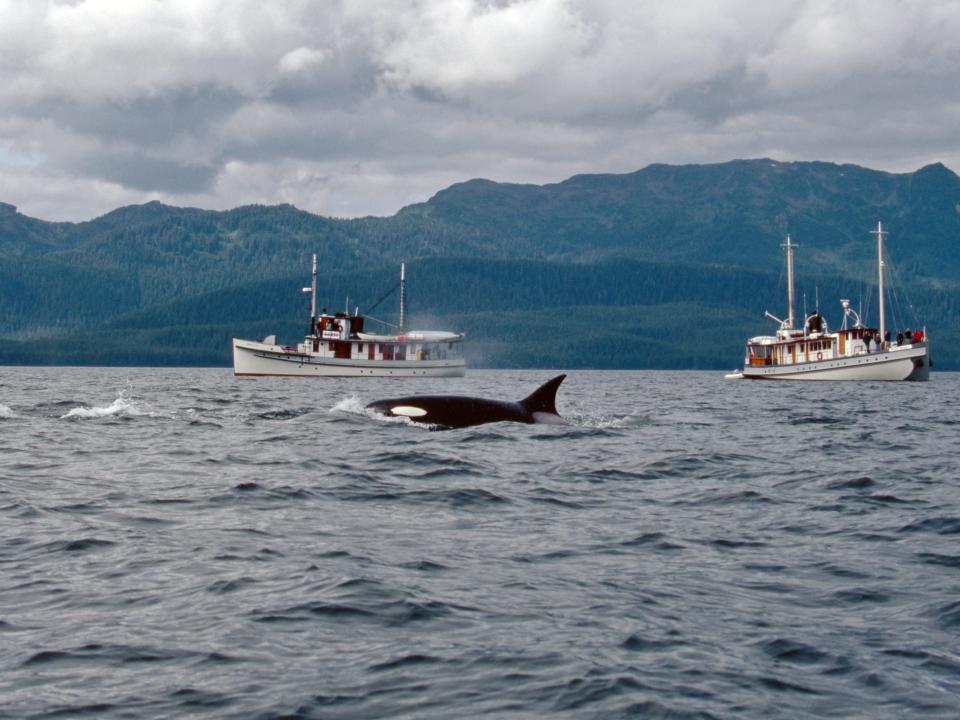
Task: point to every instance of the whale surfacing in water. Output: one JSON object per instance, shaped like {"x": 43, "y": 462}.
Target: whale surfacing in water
{"x": 455, "y": 411}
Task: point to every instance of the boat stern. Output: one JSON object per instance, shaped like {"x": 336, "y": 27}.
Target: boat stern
{"x": 921, "y": 365}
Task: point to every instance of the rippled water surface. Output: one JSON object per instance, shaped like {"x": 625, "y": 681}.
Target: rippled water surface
{"x": 181, "y": 543}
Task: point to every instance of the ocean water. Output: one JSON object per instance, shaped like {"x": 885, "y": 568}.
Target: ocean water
{"x": 181, "y": 543}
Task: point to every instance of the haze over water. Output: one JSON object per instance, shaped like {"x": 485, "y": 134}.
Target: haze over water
{"x": 181, "y": 543}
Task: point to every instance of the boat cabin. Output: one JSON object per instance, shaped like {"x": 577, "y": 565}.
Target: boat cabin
{"x": 814, "y": 343}
{"x": 341, "y": 336}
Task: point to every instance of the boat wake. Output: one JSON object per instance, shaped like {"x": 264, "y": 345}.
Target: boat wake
{"x": 120, "y": 407}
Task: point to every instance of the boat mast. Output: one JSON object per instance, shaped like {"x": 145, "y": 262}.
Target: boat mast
{"x": 879, "y": 233}
{"x": 313, "y": 293}
{"x": 402, "y": 295}
{"x": 313, "y": 298}
{"x": 789, "y": 246}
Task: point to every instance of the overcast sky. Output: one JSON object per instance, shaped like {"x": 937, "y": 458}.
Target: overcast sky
{"x": 359, "y": 107}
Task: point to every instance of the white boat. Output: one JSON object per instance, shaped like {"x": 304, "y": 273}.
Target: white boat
{"x": 854, "y": 352}
{"x": 337, "y": 346}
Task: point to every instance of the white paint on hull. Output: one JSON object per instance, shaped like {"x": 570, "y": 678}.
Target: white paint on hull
{"x": 257, "y": 359}
{"x": 890, "y": 365}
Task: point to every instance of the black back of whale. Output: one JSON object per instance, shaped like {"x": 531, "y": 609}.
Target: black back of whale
{"x": 456, "y": 411}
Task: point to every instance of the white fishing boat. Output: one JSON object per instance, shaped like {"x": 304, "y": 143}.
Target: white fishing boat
{"x": 853, "y": 352}
{"x": 337, "y": 346}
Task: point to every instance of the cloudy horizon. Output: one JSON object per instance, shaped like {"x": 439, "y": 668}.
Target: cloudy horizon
{"x": 359, "y": 108}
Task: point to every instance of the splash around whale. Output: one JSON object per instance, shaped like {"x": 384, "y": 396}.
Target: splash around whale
{"x": 456, "y": 411}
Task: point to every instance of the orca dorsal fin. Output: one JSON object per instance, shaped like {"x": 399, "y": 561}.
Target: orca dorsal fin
{"x": 544, "y": 398}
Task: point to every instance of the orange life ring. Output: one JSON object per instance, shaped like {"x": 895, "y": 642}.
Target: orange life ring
{"x": 819, "y": 356}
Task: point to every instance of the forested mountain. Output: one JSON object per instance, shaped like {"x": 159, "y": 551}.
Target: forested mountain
{"x": 670, "y": 266}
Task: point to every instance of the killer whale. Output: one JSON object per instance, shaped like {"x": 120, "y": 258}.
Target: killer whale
{"x": 456, "y": 411}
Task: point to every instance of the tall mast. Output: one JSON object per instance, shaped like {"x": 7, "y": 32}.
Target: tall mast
{"x": 403, "y": 299}
{"x": 879, "y": 233}
{"x": 789, "y": 246}
{"x": 313, "y": 291}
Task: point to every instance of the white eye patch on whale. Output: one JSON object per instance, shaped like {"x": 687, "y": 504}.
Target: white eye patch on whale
{"x": 456, "y": 411}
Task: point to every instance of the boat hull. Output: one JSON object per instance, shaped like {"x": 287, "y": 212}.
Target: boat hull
{"x": 910, "y": 363}
{"x": 258, "y": 359}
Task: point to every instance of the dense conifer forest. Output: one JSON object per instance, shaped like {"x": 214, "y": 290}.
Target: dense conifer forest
{"x": 668, "y": 267}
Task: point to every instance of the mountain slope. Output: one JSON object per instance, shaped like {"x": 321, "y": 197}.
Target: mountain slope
{"x": 515, "y": 313}
{"x": 704, "y": 236}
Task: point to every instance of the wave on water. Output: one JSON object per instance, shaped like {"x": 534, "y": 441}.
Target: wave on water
{"x": 6, "y": 413}
{"x": 122, "y": 406}
{"x": 350, "y": 404}
{"x": 353, "y": 405}
{"x": 605, "y": 422}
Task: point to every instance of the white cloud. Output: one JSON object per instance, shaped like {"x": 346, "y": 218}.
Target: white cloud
{"x": 350, "y": 108}
{"x": 300, "y": 59}
{"x": 827, "y": 45}
{"x": 457, "y": 45}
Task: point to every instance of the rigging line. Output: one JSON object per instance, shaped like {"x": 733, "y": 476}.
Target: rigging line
{"x": 901, "y": 288}
{"x": 385, "y": 296}
{"x": 894, "y": 293}
{"x": 382, "y": 322}
{"x": 872, "y": 289}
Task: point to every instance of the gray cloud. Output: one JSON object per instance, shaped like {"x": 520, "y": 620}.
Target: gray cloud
{"x": 137, "y": 172}
{"x": 156, "y": 120}
{"x": 360, "y": 107}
